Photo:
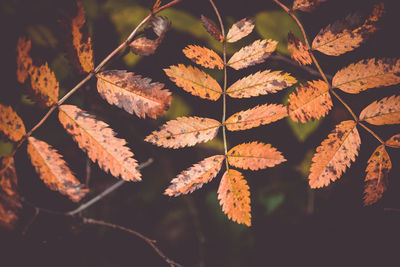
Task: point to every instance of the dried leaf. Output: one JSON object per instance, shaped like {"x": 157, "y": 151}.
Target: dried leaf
{"x": 24, "y": 60}
{"x": 99, "y": 142}
{"x": 306, "y": 5}
{"x": 376, "y": 180}
{"x": 310, "y": 101}
{"x": 367, "y": 73}
{"x": 203, "y": 56}
{"x": 211, "y": 28}
{"x": 234, "y": 197}
{"x": 133, "y": 93}
{"x": 254, "y": 156}
{"x": 252, "y": 54}
{"x": 194, "y": 177}
{"x": 298, "y": 50}
{"x": 194, "y": 81}
{"x": 259, "y": 115}
{"x": 347, "y": 34}
{"x": 260, "y": 83}
{"x": 184, "y": 131}
{"x": 240, "y": 29}
{"x": 145, "y": 47}
{"x": 11, "y": 124}
{"x": 385, "y": 111}
{"x": 335, "y": 154}
{"x": 160, "y": 25}
{"x": 44, "y": 85}
{"x": 54, "y": 171}
{"x": 394, "y": 141}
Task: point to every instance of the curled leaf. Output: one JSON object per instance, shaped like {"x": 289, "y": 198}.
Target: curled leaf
{"x": 211, "y": 28}
{"x": 240, "y": 29}
{"x": 160, "y": 25}
{"x": 203, "y": 56}
{"x": 298, "y": 50}
{"x": 44, "y": 85}
{"x": 144, "y": 46}
{"x": 385, "y": 111}
{"x": 11, "y": 124}
{"x": 394, "y": 141}
{"x": 24, "y": 60}
{"x": 306, "y": 5}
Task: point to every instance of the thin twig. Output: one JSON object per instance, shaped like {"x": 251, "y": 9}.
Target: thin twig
{"x": 88, "y": 172}
{"x": 31, "y": 221}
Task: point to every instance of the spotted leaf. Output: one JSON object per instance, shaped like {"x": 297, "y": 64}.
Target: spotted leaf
{"x": 240, "y": 29}
{"x": 11, "y": 124}
{"x": 394, "y": 141}
{"x": 385, "y": 111}
{"x": 211, "y": 28}
{"x": 44, "y": 85}
{"x": 306, "y": 5}
{"x": 24, "y": 60}
{"x": 203, "y": 56}
{"x": 298, "y": 50}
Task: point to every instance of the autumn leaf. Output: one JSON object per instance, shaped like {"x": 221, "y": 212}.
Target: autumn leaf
{"x": 298, "y": 50}
{"x": 24, "y": 60}
{"x": 99, "y": 142}
{"x": 54, "y": 171}
{"x": 252, "y": 54}
{"x": 211, "y": 28}
{"x": 385, "y": 111}
{"x": 367, "y": 73}
{"x": 254, "y": 156}
{"x": 260, "y": 83}
{"x": 394, "y": 141}
{"x": 44, "y": 85}
{"x": 133, "y": 93}
{"x": 11, "y": 124}
{"x": 335, "y": 154}
{"x": 203, "y": 56}
{"x": 240, "y": 29}
{"x": 259, "y": 115}
{"x": 234, "y": 197}
{"x": 347, "y": 34}
{"x": 194, "y": 177}
{"x": 310, "y": 101}
{"x": 194, "y": 81}
{"x": 306, "y": 5}
{"x": 184, "y": 131}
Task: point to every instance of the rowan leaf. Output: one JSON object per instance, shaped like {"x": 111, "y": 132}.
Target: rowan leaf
{"x": 376, "y": 180}
{"x": 144, "y": 47}
{"x": 240, "y": 29}
{"x": 260, "y": 83}
{"x": 306, "y": 5}
{"x": 44, "y": 85}
{"x": 234, "y": 197}
{"x": 310, "y": 101}
{"x": 367, "y": 73}
{"x": 194, "y": 81}
{"x": 184, "y": 131}
{"x": 254, "y": 156}
{"x": 194, "y": 177}
{"x": 335, "y": 154}
{"x": 160, "y": 25}
{"x": 211, "y": 28}
{"x": 252, "y": 54}
{"x": 298, "y": 50}
{"x": 203, "y": 56}
{"x": 254, "y": 117}
{"x": 347, "y": 34}
{"x": 133, "y": 93}
{"x": 394, "y": 141}
{"x": 96, "y": 139}
{"x": 385, "y": 111}
{"x": 24, "y": 60}
{"x": 54, "y": 171}
{"x": 11, "y": 124}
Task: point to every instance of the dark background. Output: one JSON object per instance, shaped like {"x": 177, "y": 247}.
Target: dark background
{"x": 290, "y": 223}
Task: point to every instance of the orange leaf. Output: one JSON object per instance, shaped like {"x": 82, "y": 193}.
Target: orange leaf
{"x": 240, "y": 29}
{"x": 184, "y": 131}
{"x": 44, "y": 85}
{"x": 54, "y": 171}
{"x": 260, "y": 83}
{"x": 368, "y": 73}
{"x": 335, "y": 154}
{"x": 234, "y": 197}
{"x": 310, "y": 101}
{"x": 99, "y": 142}
{"x": 385, "y": 111}
{"x": 203, "y": 56}
{"x": 211, "y": 28}
{"x": 11, "y": 124}
{"x": 347, "y": 34}
{"x": 298, "y": 50}
{"x": 24, "y": 60}
{"x": 194, "y": 81}
{"x": 252, "y": 54}
{"x": 254, "y": 156}
{"x": 376, "y": 180}
{"x": 144, "y": 47}
{"x": 306, "y": 5}
{"x": 259, "y": 115}
{"x": 394, "y": 141}
{"x": 194, "y": 177}
{"x": 133, "y": 93}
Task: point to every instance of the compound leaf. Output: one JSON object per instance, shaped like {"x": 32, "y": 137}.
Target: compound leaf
{"x": 298, "y": 50}
{"x": 44, "y": 85}
{"x": 385, "y": 111}
{"x": 11, "y": 124}
{"x": 24, "y": 60}
{"x": 240, "y": 29}
{"x": 203, "y": 56}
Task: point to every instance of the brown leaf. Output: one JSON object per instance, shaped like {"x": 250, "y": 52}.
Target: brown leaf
{"x": 184, "y": 131}
{"x": 376, "y": 180}
{"x": 240, "y": 29}
{"x": 254, "y": 156}
{"x": 211, "y": 28}
{"x": 234, "y": 197}
{"x": 306, "y": 5}
{"x": 99, "y": 142}
{"x": 133, "y": 93}
{"x": 310, "y": 101}
{"x": 44, "y": 85}
{"x": 145, "y": 47}
{"x": 260, "y": 83}
{"x": 385, "y": 111}
{"x": 259, "y": 115}
{"x": 347, "y": 34}
{"x": 194, "y": 81}
{"x": 252, "y": 54}
{"x": 11, "y": 124}
{"x": 194, "y": 177}
{"x": 54, "y": 171}
{"x": 203, "y": 56}
{"x": 24, "y": 60}
{"x": 160, "y": 25}
{"x": 298, "y": 50}
{"x": 367, "y": 73}
{"x": 394, "y": 141}
{"x": 335, "y": 154}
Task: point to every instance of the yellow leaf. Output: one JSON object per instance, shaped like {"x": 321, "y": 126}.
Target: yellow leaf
{"x": 385, "y": 111}
{"x": 203, "y": 56}
{"x": 240, "y": 29}
{"x": 11, "y": 124}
